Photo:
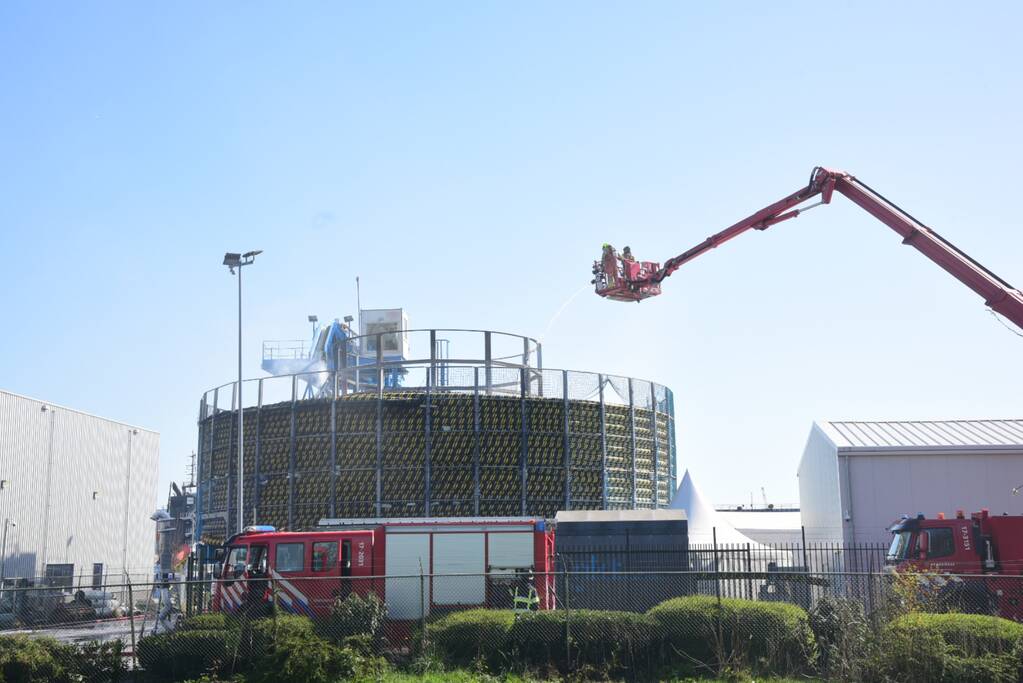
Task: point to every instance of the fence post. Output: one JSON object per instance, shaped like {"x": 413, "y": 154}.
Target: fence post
{"x": 717, "y": 577}
{"x": 422, "y": 609}
{"x": 749, "y": 569}
{"x": 189, "y": 571}
{"x": 131, "y": 618}
{"x": 870, "y": 586}
{"x": 806, "y": 562}
{"x": 568, "y": 614}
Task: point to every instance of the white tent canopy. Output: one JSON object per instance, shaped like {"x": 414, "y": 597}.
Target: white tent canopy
{"x": 704, "y": 521}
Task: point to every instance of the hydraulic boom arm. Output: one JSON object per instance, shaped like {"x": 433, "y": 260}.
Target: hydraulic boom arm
{"x": 996, "y": 292}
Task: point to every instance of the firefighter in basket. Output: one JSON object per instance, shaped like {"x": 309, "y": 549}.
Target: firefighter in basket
{"x": 609, "y": 264}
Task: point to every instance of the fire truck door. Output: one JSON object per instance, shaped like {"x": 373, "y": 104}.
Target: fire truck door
{"x": 324, "y": 584}
{"x": 463, "y": 554}
{"x": 232, "y": 587}
{"x": 258, "y": 574}
{"x": 289, "y": 569}
{"x": 407, "y": 585}
{"x": 510, "y": 563}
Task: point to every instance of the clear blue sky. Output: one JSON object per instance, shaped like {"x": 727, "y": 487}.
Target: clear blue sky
{"x": 467, "y": 159}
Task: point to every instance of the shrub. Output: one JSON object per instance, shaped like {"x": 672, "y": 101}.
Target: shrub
{"x": 215, "y": 621}
{"x": 35, "y": 660}
{"x": 187, "y": 654}
{"x": 764, "y": 637}
{"x": 844, "y": 638}
{"x": 263, "y": 635}
{"x": 964, "y": 648}
{"x": 605, "y": 641}
{"x": 355, "y": 616}
{"x": 305, "y": 657}
{"x": 97, "y": 662}
{"x": 464, "y": 638}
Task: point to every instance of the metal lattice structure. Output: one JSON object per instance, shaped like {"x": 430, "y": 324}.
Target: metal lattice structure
{"x": 494, "y": 435}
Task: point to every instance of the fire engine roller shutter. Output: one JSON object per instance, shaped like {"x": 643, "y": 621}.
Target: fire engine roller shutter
{"x": 404, "y": 591}
{"x": 513, "y": 550}
{"x": 459, "y": 554}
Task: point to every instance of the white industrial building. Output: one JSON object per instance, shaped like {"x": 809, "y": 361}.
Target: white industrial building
{"x": 776, "y": 526}
{"x": 76, "y": 494}
{"x": 856, "y": 478}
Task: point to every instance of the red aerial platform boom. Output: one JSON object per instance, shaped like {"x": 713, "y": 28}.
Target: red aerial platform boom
{"x": 624, "y": 279}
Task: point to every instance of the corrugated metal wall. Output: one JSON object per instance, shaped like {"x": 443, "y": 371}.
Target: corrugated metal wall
{"x": 79, "y": 488}
{"x": 885, "y": 486}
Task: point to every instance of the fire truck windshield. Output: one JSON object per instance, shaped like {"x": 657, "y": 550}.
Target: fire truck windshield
{"x": 900, "y": 546}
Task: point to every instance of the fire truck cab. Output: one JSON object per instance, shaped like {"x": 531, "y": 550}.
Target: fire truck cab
{"x": 968, "y": 558}
{"x": 302, "y": 572}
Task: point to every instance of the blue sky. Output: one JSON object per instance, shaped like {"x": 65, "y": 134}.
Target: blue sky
{"x": 468, "y": 159}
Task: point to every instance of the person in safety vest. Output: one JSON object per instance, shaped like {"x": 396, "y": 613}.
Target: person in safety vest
{"x": 609, "y": 262}
{"x": 528, "y": 602}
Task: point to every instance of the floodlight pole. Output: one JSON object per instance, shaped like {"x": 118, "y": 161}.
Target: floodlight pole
{"x": 241, "y": 412}
{"x": 233, "y": 261}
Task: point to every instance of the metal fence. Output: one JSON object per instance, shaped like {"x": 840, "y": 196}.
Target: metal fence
{"x": 117, "y": 628}
{"x": 813, "y": 556}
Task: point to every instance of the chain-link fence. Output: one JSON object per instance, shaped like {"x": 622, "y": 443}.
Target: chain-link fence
{"x": 622, "y": 626}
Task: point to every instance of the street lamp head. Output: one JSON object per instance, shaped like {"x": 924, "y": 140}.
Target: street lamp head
{"x": 252, "y": 254}
{"x": 349, "y": 318}
{"x": 313, "y": 319}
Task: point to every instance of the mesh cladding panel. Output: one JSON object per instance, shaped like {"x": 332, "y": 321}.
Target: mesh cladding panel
{"x": 522, "y": 448}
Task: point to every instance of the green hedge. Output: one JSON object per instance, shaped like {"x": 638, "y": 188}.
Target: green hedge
{"x": 303, "y": 656}
{"x": 610, "y": 642}
{"x": 215, "y": 621}
{"x": 97, "y": 662}
{"x": 478, "y": 635}
{"x": 355, "y": 618}
{"x": 187, "y": 654}
{"x": 947, "y": 648}
{"x": 281, "y": 648}
{"x": 700, "y": 634}
{"x": 35, "y": 660}
{"x": 267, "y": 633}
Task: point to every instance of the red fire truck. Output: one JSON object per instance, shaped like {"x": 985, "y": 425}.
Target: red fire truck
{"x": 413, "y": 565}
{"x": 972, "y": 564}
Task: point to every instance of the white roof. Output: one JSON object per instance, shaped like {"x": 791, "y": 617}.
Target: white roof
{"x": 763, "y": 520}
{"x": 662, "y": 515}
{"x": 51, "y": 404}
{"x": 926, "y": 435}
